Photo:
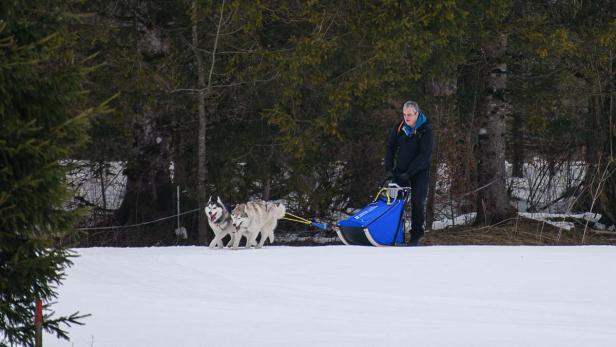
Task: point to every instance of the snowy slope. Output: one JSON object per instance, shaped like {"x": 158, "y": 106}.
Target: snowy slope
{"x": 343, "y": 296}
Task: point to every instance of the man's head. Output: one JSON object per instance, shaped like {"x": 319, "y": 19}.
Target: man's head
{"x": 411, "y": 112}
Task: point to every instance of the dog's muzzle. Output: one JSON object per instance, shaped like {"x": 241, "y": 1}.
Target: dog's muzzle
{"x": 213, "y": 218}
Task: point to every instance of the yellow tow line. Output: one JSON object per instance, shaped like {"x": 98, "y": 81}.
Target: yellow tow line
{"x": 294, "y": 218}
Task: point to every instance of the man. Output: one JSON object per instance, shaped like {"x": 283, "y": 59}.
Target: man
{"x": 409, "y": 147}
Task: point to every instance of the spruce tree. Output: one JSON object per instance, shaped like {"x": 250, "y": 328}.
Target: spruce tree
{"x": 41, "y": 94}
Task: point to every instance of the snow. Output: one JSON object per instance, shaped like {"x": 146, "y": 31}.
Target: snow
{"x": 342, "y": 296}
{"x": 464, "y": 219}
{"x": 549, "y": 218}
{"x": 540, "y": 188}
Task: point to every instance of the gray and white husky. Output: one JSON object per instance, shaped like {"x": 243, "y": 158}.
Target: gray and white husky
{"x": 219, "y": 219}
{"x": 256, "y": 217}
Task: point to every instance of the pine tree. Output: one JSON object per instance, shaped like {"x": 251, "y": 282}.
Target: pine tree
{"x": 41, "y": 88}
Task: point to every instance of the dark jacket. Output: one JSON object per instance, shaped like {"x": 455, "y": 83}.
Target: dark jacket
{"x": 412, "y": 154}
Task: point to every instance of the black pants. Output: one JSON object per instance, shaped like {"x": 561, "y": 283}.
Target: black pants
{"x": 419, "y": 191}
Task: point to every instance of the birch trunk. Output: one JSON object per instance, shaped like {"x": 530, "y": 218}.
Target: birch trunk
{"x": 492, "y": 200}
{"x": 204, "y": 90}
{"x": 202, "y": 233}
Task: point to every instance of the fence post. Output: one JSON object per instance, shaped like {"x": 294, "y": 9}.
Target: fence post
{"x": 38, "y": 324}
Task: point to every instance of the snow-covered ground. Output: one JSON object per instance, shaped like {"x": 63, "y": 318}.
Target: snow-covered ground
{"x": 342, "y": 296}
{"x": 552, "y": 218}
{"x": 464, "y": 219}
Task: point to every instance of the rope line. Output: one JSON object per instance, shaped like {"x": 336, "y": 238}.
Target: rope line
{"x": 295, "y": 218}
{"x": 139, "y": 224}
{"x": 288, "y": 216}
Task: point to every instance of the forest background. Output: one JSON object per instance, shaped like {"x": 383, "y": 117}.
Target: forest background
{"x": 293, "y": 100}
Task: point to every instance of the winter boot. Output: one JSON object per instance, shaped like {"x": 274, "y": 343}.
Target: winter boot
{"x": 415, "y": 238}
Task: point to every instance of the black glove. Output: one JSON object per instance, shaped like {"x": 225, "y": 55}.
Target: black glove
{"x": 404, "y": 177}
{"x": 389, "y": 176}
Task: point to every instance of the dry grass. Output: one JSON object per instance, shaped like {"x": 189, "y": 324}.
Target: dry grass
{"x": 514, "y": 232}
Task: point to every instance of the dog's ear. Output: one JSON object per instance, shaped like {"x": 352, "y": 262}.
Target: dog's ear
{"x": 219, "y": 201}
{"x": 209, "y": 200}
{"x": 238, "y": 208}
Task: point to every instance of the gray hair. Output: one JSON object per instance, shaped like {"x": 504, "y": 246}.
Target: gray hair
{"x": 412, "y": 104}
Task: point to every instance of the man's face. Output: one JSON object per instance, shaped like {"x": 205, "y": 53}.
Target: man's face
{"x": 410, "y": 116}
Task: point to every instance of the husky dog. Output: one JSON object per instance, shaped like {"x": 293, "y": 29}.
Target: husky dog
{"x": 256, "y": 217}
{"x": 219, "y": 219}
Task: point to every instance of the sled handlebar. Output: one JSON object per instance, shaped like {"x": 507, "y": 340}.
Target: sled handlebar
{"x": 391, "y": 192}
{"x": 396, "y": 186}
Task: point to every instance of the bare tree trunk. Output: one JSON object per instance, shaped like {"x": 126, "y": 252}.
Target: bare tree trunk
{"x": 201, "y": 153}
{"x": 148, "y": 183}
{"x": 203, "y": 91}
{"x": 441, "y": 90}
{"x": 148, "y": 180}
{"x": 267, "y": 176}
{"x": 517, "y": 144}
{"x": 492, "y": 200}
{"x": 432, "y": 182}
{"x": 267, "y": 186}
{"x": 607, "y": 199}
{"x": 600, "y": 163}
{"x": 101, "y": 174}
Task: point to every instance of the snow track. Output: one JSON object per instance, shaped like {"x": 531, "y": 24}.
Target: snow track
{"x": 343, "y": 296}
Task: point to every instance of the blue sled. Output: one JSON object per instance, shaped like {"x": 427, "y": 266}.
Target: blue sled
{"x": 378, "y": 224}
